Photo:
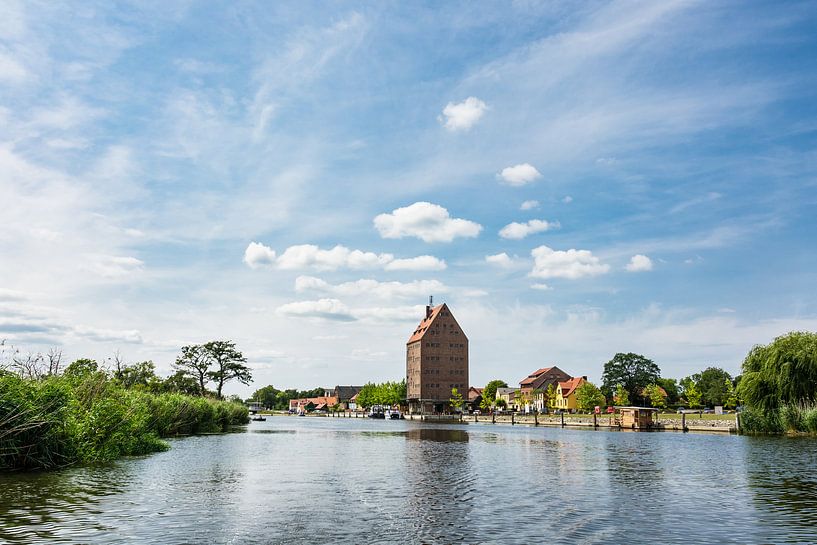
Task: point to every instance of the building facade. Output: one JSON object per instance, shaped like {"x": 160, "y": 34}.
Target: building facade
{"x": 533, "y": 388}
{"x": 436, "y": 361}
{"x": 566, "y": 394}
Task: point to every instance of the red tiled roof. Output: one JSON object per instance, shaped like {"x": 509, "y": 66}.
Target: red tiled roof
{"x": 423, "y": 326}
{"x": 533, "y": 376}
{"x": 568, "y": 387}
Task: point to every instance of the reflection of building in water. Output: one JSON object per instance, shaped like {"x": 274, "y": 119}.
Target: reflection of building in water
{"x": 438, "y": 469}
{"x": 436, "y": 361}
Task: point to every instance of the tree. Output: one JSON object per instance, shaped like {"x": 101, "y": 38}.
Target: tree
{"x": 588, "y": 396}
{"x": 657, "y": 396}
{"x": 141, "y": 374}
{"x": 194, "y": 362}
{"x": 549, "y": 396}
{"x": 182, "y": 383}
{"x": 711, "y": 383}
{"x": 670, "y": 385}
{"x": 82, "y": 367}
{"x": 522, "y": 400}
{"x": 781, "y": 373}
{"x": 622, "y": 398}
{"x": 228, "y": 364}
{"x": 490, "y": 389}
{"x": 501, "y": 403}
{"x": 456, "y": 400}
{"x": 486, "y": 404}
{"x": 731, "y": 398}
{"x": 266, "y": 396}
{"x": 693, "y": 395}
{"x": 633, "y": 371}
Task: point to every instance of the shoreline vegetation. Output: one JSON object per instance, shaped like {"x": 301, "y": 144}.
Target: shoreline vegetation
{"x": 51, "y": 419}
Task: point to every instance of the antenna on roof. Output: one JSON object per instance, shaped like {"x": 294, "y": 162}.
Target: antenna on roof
{"x": 431, "y": 300}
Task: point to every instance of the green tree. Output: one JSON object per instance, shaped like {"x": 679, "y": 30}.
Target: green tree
{"x": 266, "y": 396}
{"x": 711, "y": 382}
{"x": 549, "y": 396}
{"x": 670, "y": 385}
{"x": 194, "y": 361}
{"x": 456, "y": 400}
{"x": 228, "y": 364}
{"x": 490, "y": 389}
{"x": 522, "y": 400}
{"x": 622, "y": 398}
{"x": 486, "y": 404}
{"x": 693, "y": 395}
{"x": 656, "y": 396}
{"x": 501, "y": 403}
{"x": 138, "y": 375}
{"x": 632, "y": 371}
{"x": 588, "y": 396}
{"x": 783, "y": 372}
{"x": 81, "y": 368}
{"x": 731, "y": 398}
{"x": 182, "y": 383}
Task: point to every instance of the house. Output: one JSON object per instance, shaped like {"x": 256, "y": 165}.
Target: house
{"x": 344, "y": 394}
{"x": 436, "y": 361}
{"x": 637, "y": 418}
{"x": 308, "y": 404}
{"x": 566, "y": 394}
{"x": 533, "y": 388}
{"x": 508, "y": 395}
{"x": 474, "y": 397}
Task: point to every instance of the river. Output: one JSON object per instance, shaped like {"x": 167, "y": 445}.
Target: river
{"x": 320, "y": 480}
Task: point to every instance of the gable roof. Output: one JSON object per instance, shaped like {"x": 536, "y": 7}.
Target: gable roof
{"x": 533, "y": 376}
{"x": 425, "y": 323}
{"x": 541, "y": 378}
{"x": 569, "y": 386}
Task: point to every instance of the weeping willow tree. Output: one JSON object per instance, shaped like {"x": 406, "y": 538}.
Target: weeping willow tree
{"x": 781, "y": 373}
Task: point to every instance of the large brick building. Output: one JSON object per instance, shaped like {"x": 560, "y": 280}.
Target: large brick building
{"x": 436, "y": 361}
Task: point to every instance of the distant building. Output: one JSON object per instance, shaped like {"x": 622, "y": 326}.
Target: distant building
{"x": 508, "y": 395}
{"x": 436, "y": 361}
{"x": 535, "y": 385}
{"x": 474, "y": 398}
{"x": 566, "y": 394}
{"x": 306, "y": 404}
{"x": 343, "y": 394}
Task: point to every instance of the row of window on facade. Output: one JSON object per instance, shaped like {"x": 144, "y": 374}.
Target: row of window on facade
{"x": 453, "y": 332}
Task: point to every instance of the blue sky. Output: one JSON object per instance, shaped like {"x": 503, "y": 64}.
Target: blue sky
{"x": 573, "y": 179}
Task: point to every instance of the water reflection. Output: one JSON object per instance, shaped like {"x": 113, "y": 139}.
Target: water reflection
{"x": 291, "y": 480}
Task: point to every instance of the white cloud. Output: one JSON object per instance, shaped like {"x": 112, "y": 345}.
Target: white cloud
{"x": 567, "y": 199}
{"x": 529, "y": 205}
{"x": 258, "y": 255}
{"x": 419, "y": 263}
{"x": 109, "y": 335}
{"x": 426, "y": 221}
{"x": 328, "y": 309}
{"x": 519, "y": 175}
{"x": 541, "y": 287}
{"x": 309, "y": 256}
{"x": 463, "y": 115}
{"x": 503, "y": 260}
{"x": 571, "y": 264}
{"x": 108, "y": 266}
{"x": 517, "y": 231}
{"x": 383, "y": 290}
{"x": 639, "y": 263}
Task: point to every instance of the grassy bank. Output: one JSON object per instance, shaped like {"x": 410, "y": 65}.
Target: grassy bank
{"x": 61, "y": 420}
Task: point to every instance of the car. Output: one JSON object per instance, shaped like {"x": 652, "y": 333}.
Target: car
{"x": 709, "y": 411}
{"x": 681, "y": 410}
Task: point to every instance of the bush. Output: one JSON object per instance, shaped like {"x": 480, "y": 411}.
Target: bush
{"x": 85, "y": 417}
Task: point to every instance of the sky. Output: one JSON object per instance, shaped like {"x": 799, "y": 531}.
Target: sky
{"x": 573, "y": 179}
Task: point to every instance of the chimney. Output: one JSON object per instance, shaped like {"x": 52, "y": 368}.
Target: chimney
{"x": 428, "y": 312}
{"x": 429, "y": 306}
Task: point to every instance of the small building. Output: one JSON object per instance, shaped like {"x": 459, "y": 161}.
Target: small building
{"x": 508, "y": 395}
{"x": 343, "y": 394}
{"x": 308, "y": 404}
{"x": 566, "y": 394}
{"x": 534, "y": 386}
{"x": 637, "y": 418}
{"x": 474, "y": 398}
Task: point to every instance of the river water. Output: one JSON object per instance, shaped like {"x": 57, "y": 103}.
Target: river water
{"x": 320, "y": 480}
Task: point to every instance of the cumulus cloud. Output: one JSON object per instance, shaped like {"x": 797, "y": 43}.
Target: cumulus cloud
{"x": 258, "y": 255}
{"x": 109, "y": 335}
{"x": 426, "y": 221}
{"x": 502, "y": 260}
{"x": 519, "y": 175}
{"x": 309, "y": 256}
{"x": 639, "y": 263}
{"x": 383, "y": 290}
{"x": 517, "y": 231}
{"x": 327, "y": 309}
{"x": 570, "y": 264}
{"x": 529, "y": 205}
{"x": 567, "y": 199}
{"x": 463, "y": 115}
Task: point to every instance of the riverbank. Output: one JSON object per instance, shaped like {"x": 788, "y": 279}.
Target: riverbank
{"x": 62, "y": 420}
{"x": 666, "y": 422}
